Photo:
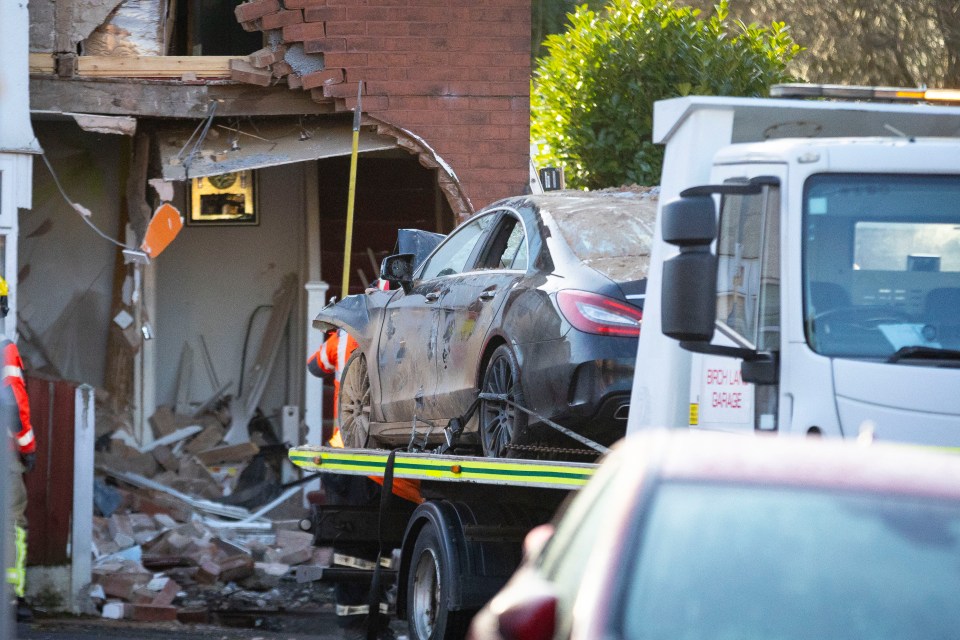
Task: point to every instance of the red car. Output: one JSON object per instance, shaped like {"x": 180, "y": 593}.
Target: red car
{"x": 709, "y": 536}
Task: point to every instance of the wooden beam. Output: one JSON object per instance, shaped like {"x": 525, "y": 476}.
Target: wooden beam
{"x": 208, "y": 67}
{"x": 167, "y": 98}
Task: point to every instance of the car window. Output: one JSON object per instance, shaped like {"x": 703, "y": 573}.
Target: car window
{"x": 508, "y": 248}
{"x": 613, "y": 235}
{"x": 718, "y": 562}
{"x": 451, "y": 257}
{"x": 565, "y": 558}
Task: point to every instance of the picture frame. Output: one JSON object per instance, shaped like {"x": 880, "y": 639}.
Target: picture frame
{"x": 224, "y": 199}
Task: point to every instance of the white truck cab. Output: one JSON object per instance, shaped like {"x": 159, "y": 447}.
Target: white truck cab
{"x": 805, "y": 275}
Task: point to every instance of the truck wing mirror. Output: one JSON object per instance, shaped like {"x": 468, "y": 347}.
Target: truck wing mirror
{"x": 689, "y": 302}
{"x": 398, "y": 268}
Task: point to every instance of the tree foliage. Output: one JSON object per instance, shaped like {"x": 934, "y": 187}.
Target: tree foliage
{"x": 592, "y": 96}
{"x": 867, "y": 42}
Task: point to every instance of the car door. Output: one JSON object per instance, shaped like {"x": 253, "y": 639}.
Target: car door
{"x": 470, "y": 305}
{"x": 407, "y": 353}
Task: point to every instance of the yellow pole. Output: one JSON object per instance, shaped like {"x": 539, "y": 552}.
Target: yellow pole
{"x": 348, "y": 243}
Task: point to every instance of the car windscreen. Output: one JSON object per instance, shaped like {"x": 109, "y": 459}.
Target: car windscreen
{"x": 612, "y": 234}
{"x": 719, "y": 562}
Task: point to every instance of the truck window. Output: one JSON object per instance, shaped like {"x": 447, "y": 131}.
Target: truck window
{"x": 748, "y": 274}
{"x": 881, "y": 263}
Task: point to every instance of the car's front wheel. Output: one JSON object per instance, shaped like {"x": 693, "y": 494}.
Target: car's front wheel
{"x": 501, "y": 422}
{"x": 353, "y": 403}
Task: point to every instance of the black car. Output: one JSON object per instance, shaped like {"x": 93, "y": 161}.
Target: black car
{"x": 536, "y": 301}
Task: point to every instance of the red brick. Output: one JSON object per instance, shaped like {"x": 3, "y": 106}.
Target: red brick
{"x": 121, "y": 585}
{"x": 324, "y": 45}
{"x": 304, "y": 31}
{"x": 345, "y": 60}
{"x": 236, "y": 568}
{"x": 242, "y": 71}
{"x": 256, "y": 9}
{"x": 345, "y": 90}
{"x": 282, "y": 19}
{"x": 346, "y": 28}
{"x": 370, "y": 104}
{"x": 167, "y": 595}
{"x": 263, "y": 58}
{"x": 324, "y": 14}
{"x": 294, "y": 81}
{"x": 251, "y": 25}
{"x": 153, "y": 613}
{"x": 281, "y": 69}
{"x": 193, "y": 615}
{"x": 320, "y": 78}
{"x": 303, "y": 4}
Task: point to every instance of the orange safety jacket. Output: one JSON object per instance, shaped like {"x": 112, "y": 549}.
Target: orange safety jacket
{"x": 331, "y": 357}
{"x": 21, "y": 430}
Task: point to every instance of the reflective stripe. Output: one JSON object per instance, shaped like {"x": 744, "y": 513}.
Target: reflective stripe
{"x": 419, "y": 466}
{"x": 17, "y": 574}
{"x": 25, "y": 440}
{"x": 324, "y": 360}
{"x": 342, "y": 340}
{"x": 353, "y": 609}
{"x": 11, "y": 371}
{"x": 353, "y": 561}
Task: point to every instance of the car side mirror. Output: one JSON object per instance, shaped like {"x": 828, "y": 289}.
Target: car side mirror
{"x": 398, "y": 268}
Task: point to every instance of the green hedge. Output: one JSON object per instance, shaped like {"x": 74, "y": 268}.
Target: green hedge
{"x": 592, "y": 95}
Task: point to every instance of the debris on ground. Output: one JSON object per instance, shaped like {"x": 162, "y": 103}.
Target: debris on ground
{"x": 191, "y": 528}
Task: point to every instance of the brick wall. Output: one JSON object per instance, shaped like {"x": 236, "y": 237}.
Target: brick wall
{"x": 455, "y": 73}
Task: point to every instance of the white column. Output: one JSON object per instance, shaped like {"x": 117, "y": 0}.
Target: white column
{"x": 81, "y": 535}
{"x": 313, "y": 403}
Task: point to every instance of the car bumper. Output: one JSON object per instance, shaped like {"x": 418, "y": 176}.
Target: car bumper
{"x": 582, "y": 386}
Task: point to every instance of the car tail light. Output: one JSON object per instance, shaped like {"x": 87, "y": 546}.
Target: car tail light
{"x": 532, "y": 619}
{"x": 593, "y": 313}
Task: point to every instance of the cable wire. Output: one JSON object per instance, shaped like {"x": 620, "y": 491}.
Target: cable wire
{"x": 74, "y": 205}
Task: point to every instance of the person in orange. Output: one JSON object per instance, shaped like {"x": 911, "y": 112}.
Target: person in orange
{"x": 15, "y": 409}
{"x": 330, "y": 358}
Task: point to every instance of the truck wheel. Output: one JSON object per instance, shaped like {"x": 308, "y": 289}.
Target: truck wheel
{"x": 428, "y": 594}
{"x": 353, "y": 410}
{"x": 500, "y": 422}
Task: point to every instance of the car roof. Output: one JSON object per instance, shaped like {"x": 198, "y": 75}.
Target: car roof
{"x": 770, "y": 459}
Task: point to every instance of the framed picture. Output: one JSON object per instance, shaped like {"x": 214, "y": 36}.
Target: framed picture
{"x": 224, "y": 199}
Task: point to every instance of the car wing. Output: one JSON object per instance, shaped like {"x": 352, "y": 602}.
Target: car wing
{"x": 360, "y": 315}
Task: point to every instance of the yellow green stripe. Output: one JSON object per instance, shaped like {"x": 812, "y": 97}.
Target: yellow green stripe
{"x": 430, "y": 467}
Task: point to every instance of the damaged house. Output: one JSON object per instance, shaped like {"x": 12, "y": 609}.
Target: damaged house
{"x": 236, "y": 121}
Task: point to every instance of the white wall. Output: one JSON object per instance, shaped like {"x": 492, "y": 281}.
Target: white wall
{"x": 65, "y": 291}
{"x": 211, "y": 279}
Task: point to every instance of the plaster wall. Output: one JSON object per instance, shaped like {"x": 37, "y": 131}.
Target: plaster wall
{"x": 212, "y": 280}
{"x": 65, "y": 268}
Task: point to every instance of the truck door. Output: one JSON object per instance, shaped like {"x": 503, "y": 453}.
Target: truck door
{"x": 748, "y": 310}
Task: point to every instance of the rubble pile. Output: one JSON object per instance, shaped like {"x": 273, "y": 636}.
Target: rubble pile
{"x": 174, "y": 537}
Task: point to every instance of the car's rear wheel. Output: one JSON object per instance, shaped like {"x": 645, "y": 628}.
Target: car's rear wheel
{"x": 428, "y": 592}
{"x": 353, "y": 404}
{"x": 501, "y": 422}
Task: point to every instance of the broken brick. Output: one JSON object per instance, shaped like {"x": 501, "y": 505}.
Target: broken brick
{"x": 193, "y": 615}
{"x": 281, "y": 69}
{"x": 287, "y": 538}
{"x": 121, "y": 585}
{"x": 266, "y": 56}
{"x": 231, "y": 453}
{"x": 256, "y": 9}
{"x": 282, "y": 19}
{"x": 236, "y": 568}
{"x": 167, "y": 595}
{"x": 322, "y": 77}
{"x": 213, "y": 431}
{"x": 153, "y": 613}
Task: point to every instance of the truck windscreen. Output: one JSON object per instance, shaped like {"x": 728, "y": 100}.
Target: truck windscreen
{"x": 881, "y": 264}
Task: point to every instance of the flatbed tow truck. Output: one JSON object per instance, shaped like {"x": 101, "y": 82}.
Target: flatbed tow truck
{"x": 451, "y": 553}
